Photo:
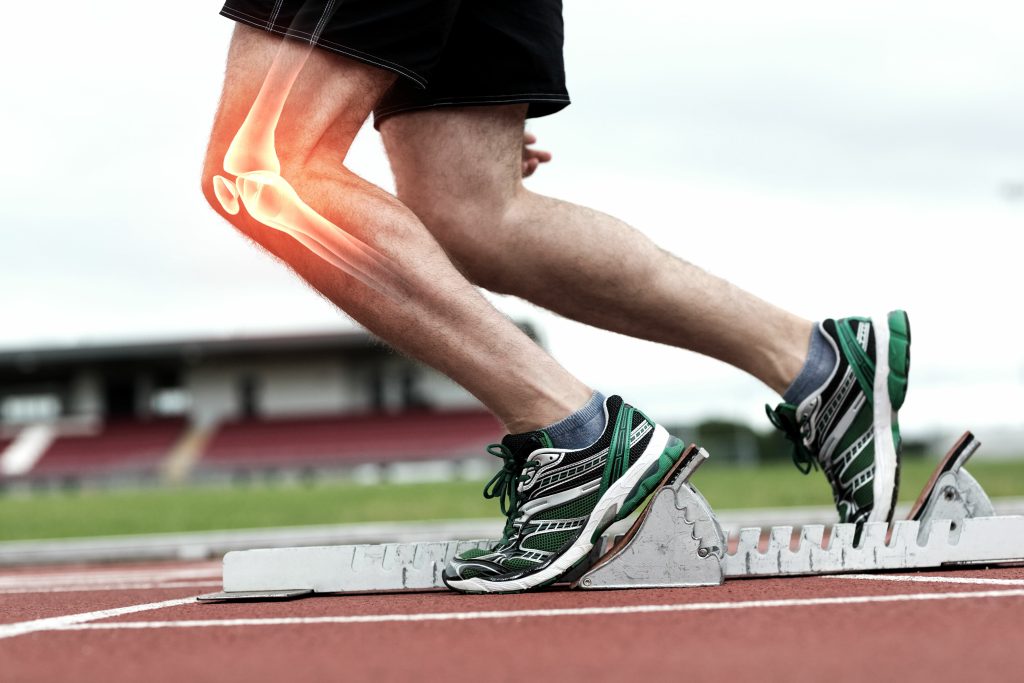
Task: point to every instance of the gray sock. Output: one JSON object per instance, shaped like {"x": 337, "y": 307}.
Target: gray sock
{"x": 582, "y": 428}
{"x": 821, "y": 359}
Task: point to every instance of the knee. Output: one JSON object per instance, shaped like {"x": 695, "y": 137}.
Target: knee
{"x": 210, "y": 172}
{"x": 213, "y": 166}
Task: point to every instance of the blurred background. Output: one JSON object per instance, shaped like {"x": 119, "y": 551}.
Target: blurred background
{"x": 159, "y": 374}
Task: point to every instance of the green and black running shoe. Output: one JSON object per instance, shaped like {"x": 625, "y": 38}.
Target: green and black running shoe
{"x": 558, "y": 502}
{"x": 849, "y": 426}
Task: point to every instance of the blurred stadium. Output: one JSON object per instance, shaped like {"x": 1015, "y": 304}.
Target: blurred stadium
{"x": 233, "y": 409}
{"x": 213, "y": 409}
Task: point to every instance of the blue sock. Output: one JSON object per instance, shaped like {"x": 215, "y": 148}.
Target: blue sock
{"x": 582, "y": 428}
{"x": 821, "y": 360}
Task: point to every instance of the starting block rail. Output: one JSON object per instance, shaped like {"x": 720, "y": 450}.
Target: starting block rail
{"x": 675, "y": 542}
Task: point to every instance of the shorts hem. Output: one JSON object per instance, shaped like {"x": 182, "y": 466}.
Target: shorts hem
{"x": 351, "y": 53}
{"x": 540, "y": 104}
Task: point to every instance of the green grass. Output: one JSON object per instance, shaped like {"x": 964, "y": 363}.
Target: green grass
{"x": 102, "y": 512}
{"x": 94, "y": 513}
{"x": 781, "y": 485}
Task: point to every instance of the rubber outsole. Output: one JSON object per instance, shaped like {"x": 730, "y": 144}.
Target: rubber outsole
{"x": 899, "y": 374}
{"x": 899, "y": 357}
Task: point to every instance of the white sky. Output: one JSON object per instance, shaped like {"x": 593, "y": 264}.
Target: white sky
{"x": 833, "y": 158}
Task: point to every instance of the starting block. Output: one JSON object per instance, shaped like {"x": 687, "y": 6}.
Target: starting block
{"x": 676, "y": 541}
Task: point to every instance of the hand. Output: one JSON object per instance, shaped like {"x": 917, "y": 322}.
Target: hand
{"x": 532, "y": 158}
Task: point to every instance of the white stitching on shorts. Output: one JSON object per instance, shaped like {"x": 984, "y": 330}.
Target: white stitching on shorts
{"x": 273, "y": 14}
{"x": 252, "y": 21}
{"x": 320, "y": 25}
{"x": 257, "y": 22}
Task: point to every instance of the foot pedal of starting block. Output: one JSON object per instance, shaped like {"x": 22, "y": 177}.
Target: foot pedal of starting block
{"x": 675, "y": 542}
{"x": 952, "y": 493}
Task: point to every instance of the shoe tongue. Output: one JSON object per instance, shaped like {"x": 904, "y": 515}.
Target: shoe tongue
{"x": 521, "y": 445}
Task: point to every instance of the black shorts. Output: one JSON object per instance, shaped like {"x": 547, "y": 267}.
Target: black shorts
{"x": 448, "y": 52}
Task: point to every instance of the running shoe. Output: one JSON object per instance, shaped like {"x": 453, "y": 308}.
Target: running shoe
{"x": 559, "y": 501}
{"x": 848, "y": 427}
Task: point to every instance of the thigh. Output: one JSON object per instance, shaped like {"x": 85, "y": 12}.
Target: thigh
{"x": 455, "y": 155}
{"x": 328, "y": 102}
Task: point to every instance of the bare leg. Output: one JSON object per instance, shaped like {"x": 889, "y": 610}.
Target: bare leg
{"x": 441, "y": 319}
{"x": 459, "y": 169}
{"x": 271, "y": 199}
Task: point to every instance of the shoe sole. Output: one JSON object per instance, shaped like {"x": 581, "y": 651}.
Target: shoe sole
{"x": 612, "y": 506}
{"x": 892, "y": 367}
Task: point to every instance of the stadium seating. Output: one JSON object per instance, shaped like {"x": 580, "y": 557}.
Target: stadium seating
{"x": 350, "y": 440}
{"x": 120, "y": 447}
{"x": 133, "y": 448}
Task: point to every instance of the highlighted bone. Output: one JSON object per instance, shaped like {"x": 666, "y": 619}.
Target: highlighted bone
{"x": 226, "y": 194}
{"x": 271, "y": 200}
{"x": 252, "y": 148}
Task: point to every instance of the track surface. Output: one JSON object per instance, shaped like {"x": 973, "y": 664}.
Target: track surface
{"x": 138, "y": 622}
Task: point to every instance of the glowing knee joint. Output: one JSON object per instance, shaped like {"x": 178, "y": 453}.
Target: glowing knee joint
{"x": 271, "y": 200}
{"x": 225, "y": 192}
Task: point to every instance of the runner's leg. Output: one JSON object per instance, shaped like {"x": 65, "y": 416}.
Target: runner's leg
{"x": 459, "y": 170}
{"x": 443, "y": 320}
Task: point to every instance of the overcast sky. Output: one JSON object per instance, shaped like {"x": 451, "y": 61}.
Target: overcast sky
{"x": 834, "y": 158}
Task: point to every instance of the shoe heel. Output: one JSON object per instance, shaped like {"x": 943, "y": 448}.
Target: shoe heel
{"x": 899, "y": 372}
{"x": 899, "y": 357}
{"x": 659, "y": 472}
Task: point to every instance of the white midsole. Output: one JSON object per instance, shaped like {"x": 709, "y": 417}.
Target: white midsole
{"x": 885, "y": 445}
{"x": 614, "y": 496}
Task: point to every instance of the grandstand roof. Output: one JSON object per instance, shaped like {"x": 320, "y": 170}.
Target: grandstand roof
{"x": 187, "y": 349}
{"x": 18, "y": 361}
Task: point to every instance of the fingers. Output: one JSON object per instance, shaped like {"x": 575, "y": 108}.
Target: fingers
{"x": 543, "y": 156}
{"x": 532, "y": 158}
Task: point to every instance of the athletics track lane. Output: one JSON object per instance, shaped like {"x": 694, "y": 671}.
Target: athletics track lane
{"x": 823, "y": 628}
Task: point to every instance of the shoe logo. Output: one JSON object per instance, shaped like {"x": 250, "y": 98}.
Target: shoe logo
{"x": 546, "y": 462}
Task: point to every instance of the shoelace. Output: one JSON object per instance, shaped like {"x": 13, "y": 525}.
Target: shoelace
{"x": 505, "y": 484}
{"x": 786, "y": 421}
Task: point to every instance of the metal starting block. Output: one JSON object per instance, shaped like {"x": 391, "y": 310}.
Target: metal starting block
{"x": 675, "y": 541}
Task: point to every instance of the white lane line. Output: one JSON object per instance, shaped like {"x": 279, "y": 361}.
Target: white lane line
{"x": 519, "y": 614}
{"x": 52, "y": 623}
{"x": 85, "y": 588}
{"x": 915, "y": 578}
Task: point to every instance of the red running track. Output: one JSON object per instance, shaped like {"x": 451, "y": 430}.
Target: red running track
{"x": 931, "y": 626}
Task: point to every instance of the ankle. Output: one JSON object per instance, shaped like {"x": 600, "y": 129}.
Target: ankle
{"x": 819, "y": 365}
{"x": 788, "y": 355}
{"x": 582, "y": 428}
{"x": 547, "y": 408}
